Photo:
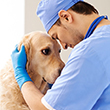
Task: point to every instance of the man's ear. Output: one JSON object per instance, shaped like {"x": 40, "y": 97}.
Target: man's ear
{"x": 65, "y": 15}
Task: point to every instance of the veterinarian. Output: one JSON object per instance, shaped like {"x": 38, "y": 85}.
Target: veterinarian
{"x": 84, "y": 83}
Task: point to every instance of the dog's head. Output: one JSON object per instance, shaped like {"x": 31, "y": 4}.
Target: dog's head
{"x": 43, "y": 56}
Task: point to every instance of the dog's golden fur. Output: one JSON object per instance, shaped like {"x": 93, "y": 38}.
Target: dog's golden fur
{"x": 39, "y": 65}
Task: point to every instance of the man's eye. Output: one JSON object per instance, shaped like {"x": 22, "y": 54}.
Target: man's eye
{"x": 53, "y": 38}
{"x": 46, "y": 51}
{"x": 57, "y": 38}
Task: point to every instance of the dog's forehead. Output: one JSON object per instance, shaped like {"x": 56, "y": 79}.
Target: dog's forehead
{"x": 41, "y": 38}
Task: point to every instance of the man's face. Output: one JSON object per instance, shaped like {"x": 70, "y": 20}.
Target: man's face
{"x": 67, "y": 35}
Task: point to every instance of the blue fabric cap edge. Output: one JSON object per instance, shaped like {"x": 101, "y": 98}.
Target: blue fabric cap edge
{"x": 48, "y": 13}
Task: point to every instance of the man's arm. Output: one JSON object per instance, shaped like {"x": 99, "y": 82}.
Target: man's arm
{"x": 32, "y": 96}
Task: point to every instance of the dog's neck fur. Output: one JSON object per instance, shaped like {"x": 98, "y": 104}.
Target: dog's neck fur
{"x": 38, "y": 81}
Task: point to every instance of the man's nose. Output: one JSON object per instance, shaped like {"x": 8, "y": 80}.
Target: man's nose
{"x": 64, "y": 45}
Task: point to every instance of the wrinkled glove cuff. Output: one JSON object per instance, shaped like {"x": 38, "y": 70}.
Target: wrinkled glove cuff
{"x": 22, "y": 78}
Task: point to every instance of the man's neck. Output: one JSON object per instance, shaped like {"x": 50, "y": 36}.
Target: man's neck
{"x": 88, "y": 21}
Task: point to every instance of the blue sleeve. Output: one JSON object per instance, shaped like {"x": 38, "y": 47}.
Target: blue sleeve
{"x": 78, "y": 86}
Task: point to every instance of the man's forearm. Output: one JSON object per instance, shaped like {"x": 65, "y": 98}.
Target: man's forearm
{"x": 32, "y": 96}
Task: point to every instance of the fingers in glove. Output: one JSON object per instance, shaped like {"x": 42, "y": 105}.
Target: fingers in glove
{"x": 22, "y": 48}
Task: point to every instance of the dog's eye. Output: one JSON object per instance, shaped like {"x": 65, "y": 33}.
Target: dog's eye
{"x": 60, "y": 51}
{"x": 46, "y": 51}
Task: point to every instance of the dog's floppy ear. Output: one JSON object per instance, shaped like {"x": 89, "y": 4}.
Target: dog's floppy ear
{"x": 26, "y": 42}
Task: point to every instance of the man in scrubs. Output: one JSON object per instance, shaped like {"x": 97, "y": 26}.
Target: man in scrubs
{"x": 84, "y": 83}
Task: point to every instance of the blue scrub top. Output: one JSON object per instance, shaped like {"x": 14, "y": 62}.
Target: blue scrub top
{"x": 84, "y": 83}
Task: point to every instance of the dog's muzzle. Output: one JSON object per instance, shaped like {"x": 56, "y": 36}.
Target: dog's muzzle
{"x": 44, "y": 79}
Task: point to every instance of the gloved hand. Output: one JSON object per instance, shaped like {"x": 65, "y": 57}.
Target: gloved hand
{"x": 19, "y": 60}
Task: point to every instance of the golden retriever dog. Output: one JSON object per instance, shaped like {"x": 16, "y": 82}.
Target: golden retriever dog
{"x": 44, "y": 65}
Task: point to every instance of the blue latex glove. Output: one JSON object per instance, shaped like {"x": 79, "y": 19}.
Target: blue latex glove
{"x": 19, "y": 60}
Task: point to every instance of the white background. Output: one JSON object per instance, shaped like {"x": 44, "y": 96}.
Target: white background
{"x": 11, "y": 27}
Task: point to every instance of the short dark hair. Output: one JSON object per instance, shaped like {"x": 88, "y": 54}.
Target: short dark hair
{"x": 81, "y": 8}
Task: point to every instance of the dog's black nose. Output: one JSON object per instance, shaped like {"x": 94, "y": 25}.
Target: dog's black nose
{"x": 59, "y": 71}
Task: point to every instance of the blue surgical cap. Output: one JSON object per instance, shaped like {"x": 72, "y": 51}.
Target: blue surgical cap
{"x": 48, "y": 10}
